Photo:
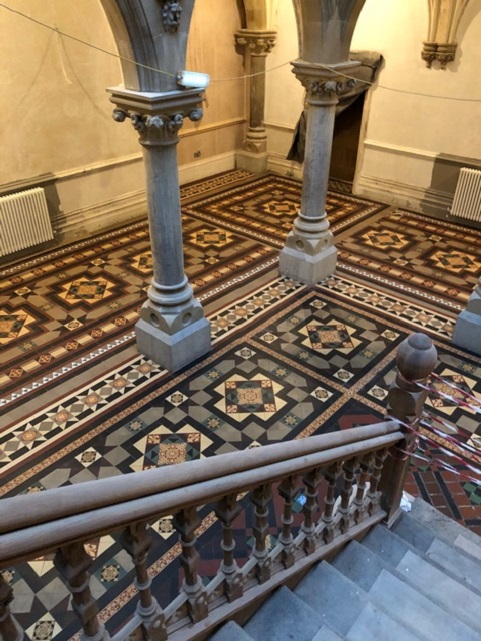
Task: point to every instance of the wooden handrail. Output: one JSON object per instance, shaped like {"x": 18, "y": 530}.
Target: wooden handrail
{"x": 50, "y": 533}
{"x": 28, "y": 510}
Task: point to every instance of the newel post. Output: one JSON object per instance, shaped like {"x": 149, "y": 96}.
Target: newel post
{"x": 416, "y": 358}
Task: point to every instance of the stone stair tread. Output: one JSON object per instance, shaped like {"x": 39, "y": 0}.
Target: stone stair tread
{"x": 371, "y": 626}
{"x": 327, "y": 634}
{"x": 230, "y": 632}
{"x": 416, "y": 612}
{"x": 414, "y": 532}
{"x": 449, "y": 558}
{"x": 361, "y": 566}
{"x": 342, "y": 605}
{"x": 464, "y": 567}
{"x": 399, "y": 599}
{"x": 284, "y": 617}
{"x": 444, "y": 527}
{"x": 449, "y": 593}
{"x": 324, "y": 588}
{"x": 388, "y": 544}
{"x": 468, "y": 547}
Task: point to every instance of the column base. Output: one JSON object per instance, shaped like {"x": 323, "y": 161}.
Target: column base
{"x": 173, "y": 351}
{"x": 467, "y": 331}
{"x": 251, "y": 161}
{"x": 306, "y": 269}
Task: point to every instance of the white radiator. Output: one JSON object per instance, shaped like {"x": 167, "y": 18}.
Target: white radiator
{"x": 467, "y": 197}
{"x": 24, "y": 220}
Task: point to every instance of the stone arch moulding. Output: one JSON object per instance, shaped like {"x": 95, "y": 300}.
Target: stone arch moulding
{"x": 444, "y": 19}
{"x": 143, "y": 31}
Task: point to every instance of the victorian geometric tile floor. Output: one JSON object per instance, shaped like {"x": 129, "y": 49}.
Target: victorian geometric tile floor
{"x": 79, "y": 403}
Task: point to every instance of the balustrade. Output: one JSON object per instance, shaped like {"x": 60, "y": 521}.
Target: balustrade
{"x": 72, "y": 563}
{"x": 260, "y": 497}
{"x": 351, "y": 479}
{"x": 311, "y": 482}
{"x": 186, "y": 522}
{"x": 137, "y": 542}
{"x": 9, "y": 628}
{"x": 327, "y": 518}
{"x": 288, "y": 490}
{"x": 359, "y": 503}
{"x": 227, "y": 509}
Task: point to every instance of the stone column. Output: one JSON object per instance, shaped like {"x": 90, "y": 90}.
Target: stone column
{"x": 467, "y": 331}
{"x": 257, "y": 44}
{"x": 172, "y": 329}
{"x": 309, "y": 254}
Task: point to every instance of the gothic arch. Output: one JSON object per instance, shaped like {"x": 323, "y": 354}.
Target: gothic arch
{"x": 153, "y": 34}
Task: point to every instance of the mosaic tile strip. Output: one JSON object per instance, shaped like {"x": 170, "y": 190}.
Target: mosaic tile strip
{"x": 423, "y": 318}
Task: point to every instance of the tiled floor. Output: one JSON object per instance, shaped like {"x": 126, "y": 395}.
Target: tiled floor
{"x": 80, "y": 403}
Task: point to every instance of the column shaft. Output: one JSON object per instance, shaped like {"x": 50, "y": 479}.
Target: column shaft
{"x": 319, "y": 133}
{"x": 257, "y": 92}
{"x": 163, "y": 200}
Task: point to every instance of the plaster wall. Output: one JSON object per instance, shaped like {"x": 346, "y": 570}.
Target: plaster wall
{"x": 57, "y": 127}
{"x": 411, "y": 146}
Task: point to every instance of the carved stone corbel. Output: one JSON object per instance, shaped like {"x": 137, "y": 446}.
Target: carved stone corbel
{"x": 444, "y": 19}
{"x": 258, "y": 43}
{"x": 171, "y": 12}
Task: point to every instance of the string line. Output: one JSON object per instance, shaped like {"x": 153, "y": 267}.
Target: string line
{"x": 252, "y": 75}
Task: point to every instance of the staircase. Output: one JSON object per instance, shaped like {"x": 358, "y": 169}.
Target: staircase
{"x": 420, "y": 580}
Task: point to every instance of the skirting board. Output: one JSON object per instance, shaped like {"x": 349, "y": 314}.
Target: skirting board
{"x": 206, "y": 167}
{"x": 72, "y": 225}
{"x": 81, "y": 223}
{"x": 279, "y": 165}
{"x": 418, "y": 199}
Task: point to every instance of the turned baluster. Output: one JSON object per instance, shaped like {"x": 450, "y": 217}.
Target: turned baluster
{"x": 10, "y": 630}
{"x": 227, "y": 510}
{"x": 344, "y": 521}
{"x": 186, "y": 522}
{"x": 327, "y": 519}
{"x": 260, "y": 497}
{"x": 287, "y": 489}
{"x": 373, "y": 494}
{"x": 416, "y": 358}
{"x": 137, "y": 541}
{"x": 311, "y": 480}
{"x": 359, "y": 502}
{"x": 72, "y": 563}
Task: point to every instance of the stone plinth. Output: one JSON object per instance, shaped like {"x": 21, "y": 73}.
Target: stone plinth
{"x": 467, "y": 331}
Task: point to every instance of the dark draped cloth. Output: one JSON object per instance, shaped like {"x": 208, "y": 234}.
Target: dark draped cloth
{"x": 368, "y": 70}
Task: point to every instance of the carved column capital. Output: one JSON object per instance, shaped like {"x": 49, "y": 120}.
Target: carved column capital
{"x": 156, "y": 128}
{"x": 324, "y": 85}
{"x": 257, "y": 43}
{"x": 157, "y": 117}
